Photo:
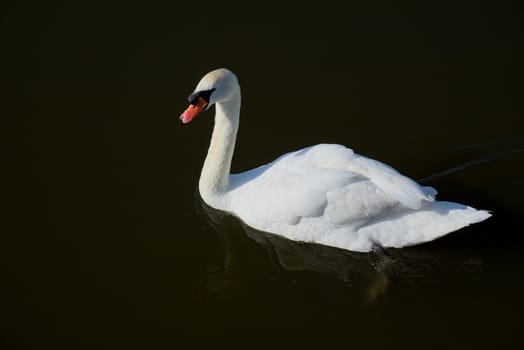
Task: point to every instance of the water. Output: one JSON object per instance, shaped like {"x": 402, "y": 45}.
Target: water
{"x": 107, "y": 246}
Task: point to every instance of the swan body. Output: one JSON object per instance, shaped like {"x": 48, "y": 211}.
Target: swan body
{"x": 324, "y": 194}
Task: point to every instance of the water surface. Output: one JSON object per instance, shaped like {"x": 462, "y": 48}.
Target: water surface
{"x": 107, "y": 245}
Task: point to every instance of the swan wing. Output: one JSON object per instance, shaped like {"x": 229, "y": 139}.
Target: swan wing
{"x": 337, "y": 157}
{"x": 284, "y": 195}
{"x": 323, "y": 180}
{"x": 394, "y": 184}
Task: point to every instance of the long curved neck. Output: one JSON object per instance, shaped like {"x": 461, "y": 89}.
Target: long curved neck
{"x": 214, "y": 179}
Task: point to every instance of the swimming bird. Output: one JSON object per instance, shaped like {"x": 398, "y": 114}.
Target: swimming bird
{"x": 324, "y": 194}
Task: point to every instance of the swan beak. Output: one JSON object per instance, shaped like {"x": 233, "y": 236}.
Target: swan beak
{"x": 193, "y": 110}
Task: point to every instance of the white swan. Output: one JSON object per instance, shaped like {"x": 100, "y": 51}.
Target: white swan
{"x": 324, "y": 194}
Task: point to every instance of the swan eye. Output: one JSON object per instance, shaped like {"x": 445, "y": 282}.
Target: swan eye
{"x": 205, "y": 94}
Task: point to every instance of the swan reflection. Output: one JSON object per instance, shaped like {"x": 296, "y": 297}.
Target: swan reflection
{"x": 249, "y": 254}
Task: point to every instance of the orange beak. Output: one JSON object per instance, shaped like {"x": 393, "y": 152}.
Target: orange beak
{"x": 192, "y": 111}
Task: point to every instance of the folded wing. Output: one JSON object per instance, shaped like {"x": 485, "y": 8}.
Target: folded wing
{"x": 329, "y": 180}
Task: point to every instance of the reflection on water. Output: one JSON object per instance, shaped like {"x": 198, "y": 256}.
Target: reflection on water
{"x": 246, "y": 249}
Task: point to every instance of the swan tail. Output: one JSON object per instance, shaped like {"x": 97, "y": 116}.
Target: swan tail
{"x": 429, "y": 223}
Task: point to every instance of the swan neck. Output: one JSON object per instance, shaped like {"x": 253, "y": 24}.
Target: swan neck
{"x": 214, "y": 179}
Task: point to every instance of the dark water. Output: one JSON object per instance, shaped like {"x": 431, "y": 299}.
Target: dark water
{"x": 106, "y": 246}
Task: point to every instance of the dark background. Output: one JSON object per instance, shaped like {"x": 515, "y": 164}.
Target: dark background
{"x": 103, "y": 245}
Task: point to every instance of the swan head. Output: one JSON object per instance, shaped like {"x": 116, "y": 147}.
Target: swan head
{"x": 219, "y": 85}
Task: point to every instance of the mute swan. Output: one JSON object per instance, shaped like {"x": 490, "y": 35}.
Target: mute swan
{"x": 324, "y": 194}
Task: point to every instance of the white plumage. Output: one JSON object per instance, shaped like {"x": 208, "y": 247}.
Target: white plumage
{"x": 324, "y": 194}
